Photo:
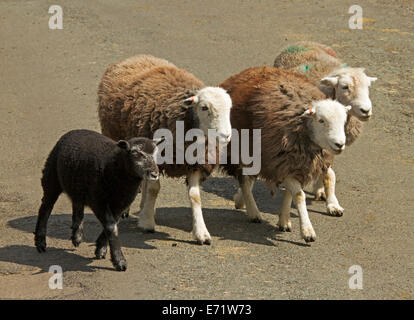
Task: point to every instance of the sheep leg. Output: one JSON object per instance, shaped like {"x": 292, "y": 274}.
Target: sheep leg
{"x": 200, "y": 232}
{"x": 147, "y": 214}
{"x": 48, "y": 201}
{"x": 319, "y": 189}
{"x": 101, "y": 246}
{"x": 77, "y": 222}
{"x": 143, "y": 194}
{"x": 332, "y": 204}
{"x": 238, "y": 199}
{"x": 125, "y": 213}
{"x": 110, "y": 226}
{"x": 284, "y": 223}
{"x": 253, "y": 213}
{"x": 299, "y": 198}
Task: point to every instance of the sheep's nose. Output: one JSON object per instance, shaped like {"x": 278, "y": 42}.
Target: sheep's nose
{"x": 339, "y": 145}
{"x": 363, "y": 111}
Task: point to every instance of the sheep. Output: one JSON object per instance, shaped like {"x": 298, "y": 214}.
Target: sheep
{"x": 140, "y": 95}
{"x": 298, "y": 125}
{"x": 320, "y": 64}
{"x": 98, "y": 172}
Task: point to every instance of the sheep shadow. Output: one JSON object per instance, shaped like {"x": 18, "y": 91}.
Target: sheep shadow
{"x": 225, "y": 224}
{"x": 28, "y": 255}
{"x": 226, "y": 187}
{"x": 59, "y": 227}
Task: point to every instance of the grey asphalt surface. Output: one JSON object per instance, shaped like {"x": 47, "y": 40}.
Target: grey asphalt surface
{"x": 48, "y": 85}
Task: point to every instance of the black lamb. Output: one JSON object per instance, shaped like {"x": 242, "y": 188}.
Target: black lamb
{"x": 95, "y": 171}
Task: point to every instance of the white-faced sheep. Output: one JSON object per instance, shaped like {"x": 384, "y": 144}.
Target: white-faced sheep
{"x": 140, "y": 95}
{"x": 350, "y": 86}
{"x": 297, "y": 125}
{"x": 95, "y": 171}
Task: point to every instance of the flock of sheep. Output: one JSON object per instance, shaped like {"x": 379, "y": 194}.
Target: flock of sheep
{"x": 309, "y": 106}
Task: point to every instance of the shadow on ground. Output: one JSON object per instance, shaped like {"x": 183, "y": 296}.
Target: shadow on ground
{"x": 226, "y": 188}
{"x": 28, "y": 256}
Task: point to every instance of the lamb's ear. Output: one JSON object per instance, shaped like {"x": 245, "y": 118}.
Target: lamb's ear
{"x": 124, "y": 145}
{"x": 157, "y": 141}
{"x": 191, "y": 100}
{"x": 347, "y": 108}
{"x": 329, "y": 81}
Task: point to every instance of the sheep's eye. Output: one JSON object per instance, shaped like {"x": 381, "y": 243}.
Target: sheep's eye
{"x": 204, "y": 108}
{"x": 321, "y": 121}
{"x": 345, "y": 87}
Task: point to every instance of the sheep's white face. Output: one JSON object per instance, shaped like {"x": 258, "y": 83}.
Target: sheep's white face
{"x": 351, "y": 87}
{"x": 212, "y": 106}
{"x": 328, "y": 124}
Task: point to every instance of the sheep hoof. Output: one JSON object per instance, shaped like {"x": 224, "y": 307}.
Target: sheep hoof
{"x": 40, "y": 243}
{"x": 255, "y": 220}
{"x": 146, "y": 230}
{"x": 100, "y": 253}
{"x": 125, "y": 215}
{"x": 206, "y": 241}
{"x": 202, "y": 237}
{"x": 76, "y": 239}
{"x": 308, "y": 234}
{"x": 238, "y": 202}
{"x": 76, "y": 242}
{"x": 120, "y": 265}
{"x": 239, "y": 206}
{"x": 309, "y": 239}
{"x": 320, "y": 196}
{"x": 335, "y": 210}
{"x": 285, "y": 228}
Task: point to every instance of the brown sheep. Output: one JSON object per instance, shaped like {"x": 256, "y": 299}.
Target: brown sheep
{"x": 320, "y": 65}
{"x": 142, "y": 94}
{"x": 298, "y": 127}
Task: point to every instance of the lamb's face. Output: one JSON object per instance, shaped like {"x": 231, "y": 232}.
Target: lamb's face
{"x": 328, "y": 120}
{"x": 212, "y": 106}
{"x": 351, "y": 87}
{"x": 141, "y": 154}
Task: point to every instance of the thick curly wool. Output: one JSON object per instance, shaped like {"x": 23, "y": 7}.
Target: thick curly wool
{"x": 273, "y": 100}
{"x": 142, "y": 94}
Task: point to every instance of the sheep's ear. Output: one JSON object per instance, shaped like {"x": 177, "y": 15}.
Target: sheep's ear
{"x": 372, "y": 79}
{"x": 310, "y": 111}
{"x": 124, "y": 145}
{"x": 329, "y": 81}
{"x": 157, "y": 141}
{"x": 191, "y": 100}
{"x": 347, "y": 108}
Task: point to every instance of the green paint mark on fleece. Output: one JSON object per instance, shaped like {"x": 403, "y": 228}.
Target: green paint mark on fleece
{"x": 295, "y": 49}
{"x": 304, "y": 67}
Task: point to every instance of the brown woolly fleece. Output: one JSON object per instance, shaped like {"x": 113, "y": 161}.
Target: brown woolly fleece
{"x": 141, "y": 94}
{"x": 273, "y": 100}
